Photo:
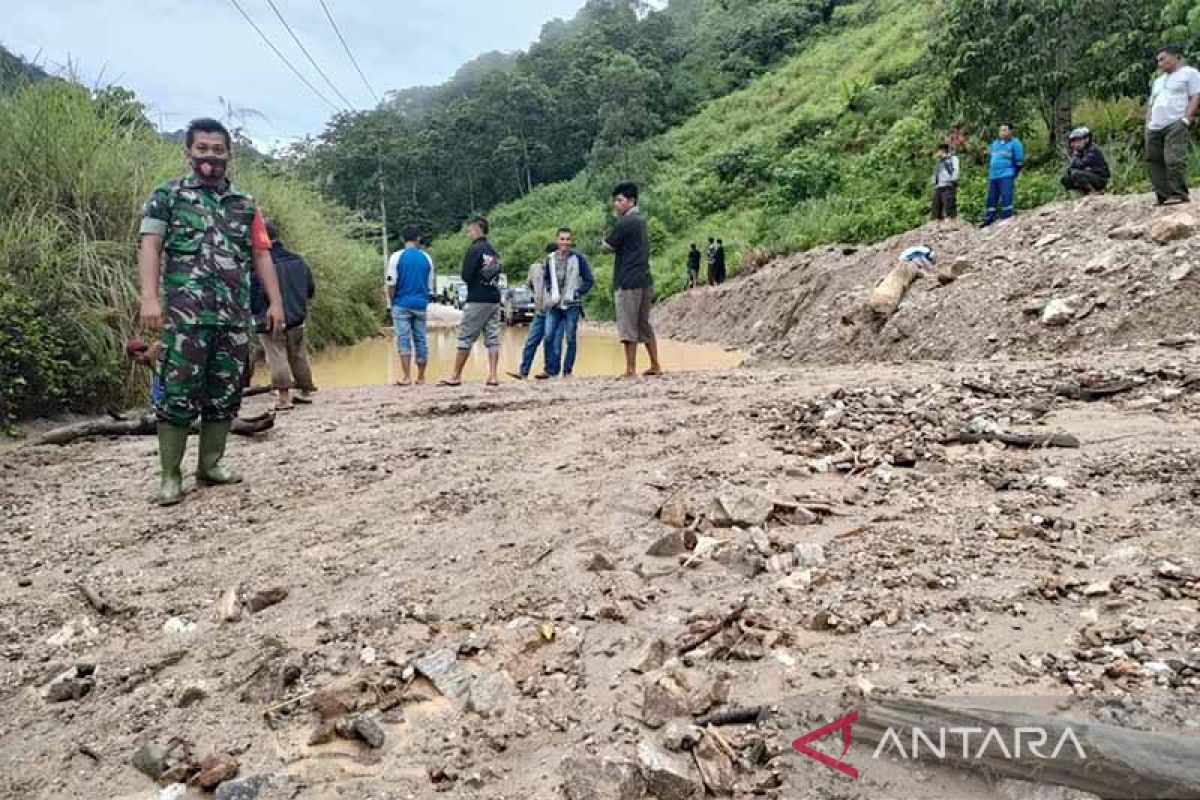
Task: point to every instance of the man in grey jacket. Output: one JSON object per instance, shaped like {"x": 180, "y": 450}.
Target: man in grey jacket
{"x": 568, "y": 279}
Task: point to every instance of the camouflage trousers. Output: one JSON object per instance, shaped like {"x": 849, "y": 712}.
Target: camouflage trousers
{"x": 200, "y": 368}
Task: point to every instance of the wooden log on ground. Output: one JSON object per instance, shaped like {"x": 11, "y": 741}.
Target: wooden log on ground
{"x": 1117, "y": 763}
{"x": 145, "y": 425}
{"x": 1090, "y": 394}
{"x": 1022, "y": 440}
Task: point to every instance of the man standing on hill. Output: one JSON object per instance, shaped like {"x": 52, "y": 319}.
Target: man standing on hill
{"x": 710, "y": 258}
{"x": 409, "y": 285}
{"x": 1007, "y": 159}
{"x": 1170, "y": 114}
{"x": 716, "y": 273}
{"x": 210, "y": 233}
{"x": 945, "y": 184}
{"x": 481, "y": 270}
{"x": 632, "y": 281}
{"x": 569, "y": 279}
{"x": 286, "y": 350}
{"x": 693, "y": 266}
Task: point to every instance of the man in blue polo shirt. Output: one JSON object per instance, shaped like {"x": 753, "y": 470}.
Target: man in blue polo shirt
{"x": 410, "y": 283}
{"x": 1007, "y": 158}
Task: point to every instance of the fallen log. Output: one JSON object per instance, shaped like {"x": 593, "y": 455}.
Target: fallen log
{"x": 1116, "y": 763}
{"x": 1023, "y": 440}
{"x": 1090, "y": 394}
{"x": 144, "y": 425}
{"x": 733, "y": 716}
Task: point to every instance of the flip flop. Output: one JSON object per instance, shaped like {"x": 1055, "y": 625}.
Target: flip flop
{"x": 516, "y": 376}
{"x": 284, "y": 407}
{"x": 492, "y": 383}
{"x": 404, "y": 383}
{"x": 651, "y": 373}
{"x": 302, "y": 400}
{"x": 449, "y": 383}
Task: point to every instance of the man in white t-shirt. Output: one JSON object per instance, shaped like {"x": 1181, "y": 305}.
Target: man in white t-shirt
{"x": 1170, "y": 114}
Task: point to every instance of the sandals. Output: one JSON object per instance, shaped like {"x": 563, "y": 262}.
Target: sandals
{"x": 284, "y": 407}
{"x": 448, "y": 382}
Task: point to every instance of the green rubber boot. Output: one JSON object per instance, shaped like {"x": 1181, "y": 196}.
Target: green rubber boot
{"x": 172, "y": 444}
{"x": 209, "y": 471}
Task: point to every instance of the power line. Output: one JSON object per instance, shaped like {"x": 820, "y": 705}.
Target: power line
{"x": 346, "y": 47}
{"x": 282, "y": 57}
{"x": 308, "y": 55}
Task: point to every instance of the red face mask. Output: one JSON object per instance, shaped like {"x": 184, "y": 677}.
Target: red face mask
{"x": 210, "y": 168}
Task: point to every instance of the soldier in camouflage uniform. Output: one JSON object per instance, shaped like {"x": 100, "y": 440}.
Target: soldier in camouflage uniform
{"x": 210, "y": 234}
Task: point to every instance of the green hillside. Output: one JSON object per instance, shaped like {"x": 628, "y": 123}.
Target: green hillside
{"x": 77, "y": 167}
{"x": 835, "y": 144}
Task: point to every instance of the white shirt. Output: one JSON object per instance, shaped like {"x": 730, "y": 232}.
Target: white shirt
{"x": 1169, "y": 97}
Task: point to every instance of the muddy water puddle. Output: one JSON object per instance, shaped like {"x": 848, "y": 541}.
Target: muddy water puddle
{"x": 374, "y": 361}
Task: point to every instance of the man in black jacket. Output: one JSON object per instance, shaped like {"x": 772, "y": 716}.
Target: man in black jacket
{"x": 716, "y": 273}
{"x": 481, "y": 270}
{"x": 287, "y": 350}
{"x": 693, "y": 265}
{"x": 1087, "y": 171}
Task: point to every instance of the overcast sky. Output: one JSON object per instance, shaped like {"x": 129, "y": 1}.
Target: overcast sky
{"x": 181, "y": 56}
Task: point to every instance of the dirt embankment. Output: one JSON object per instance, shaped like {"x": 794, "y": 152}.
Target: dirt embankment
{"x": 505, "y": 594}
{"x": 1095, "y": 254}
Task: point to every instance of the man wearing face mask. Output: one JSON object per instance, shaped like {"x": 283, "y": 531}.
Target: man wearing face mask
{"x": 199, "y": 237}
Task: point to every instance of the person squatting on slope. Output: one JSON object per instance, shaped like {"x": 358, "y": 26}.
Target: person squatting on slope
{"x": 1087, "y": 171}
{"x": 199, "y": 237}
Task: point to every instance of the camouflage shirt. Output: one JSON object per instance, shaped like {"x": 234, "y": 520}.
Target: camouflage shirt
{"x": 209, "y": 236}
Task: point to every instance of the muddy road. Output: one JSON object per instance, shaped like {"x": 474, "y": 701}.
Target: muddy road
{"x": 431, "y": 592}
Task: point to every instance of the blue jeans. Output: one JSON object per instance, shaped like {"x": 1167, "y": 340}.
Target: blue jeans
{"x": 1000, "y": 194}
{"x": 537, "y": 332}
{"x": 561, "y": 322}
{"x": 411, "y": 336}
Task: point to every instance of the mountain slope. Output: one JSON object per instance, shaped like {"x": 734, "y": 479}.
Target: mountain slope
{"x": 831, "y": 145}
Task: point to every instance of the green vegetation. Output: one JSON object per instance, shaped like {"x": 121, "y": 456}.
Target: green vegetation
{"x": 76, "y": 170}
{"x": 587, "y": 90}
{"x": 836, "y": 143}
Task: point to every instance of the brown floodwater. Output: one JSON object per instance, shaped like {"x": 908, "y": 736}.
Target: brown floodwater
{"x": 374, "y": 361}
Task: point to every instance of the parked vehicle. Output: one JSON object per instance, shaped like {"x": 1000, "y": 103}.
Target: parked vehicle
{"x": 516, "y": 306}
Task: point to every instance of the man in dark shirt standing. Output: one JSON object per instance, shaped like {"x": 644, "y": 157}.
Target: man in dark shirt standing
{"x": 630, "y": 242}
{"x": 716, "y": 274}
{"x": 481, "y": 270}
{"x": 693, "y": 265}
{"x": 287, "y": 350}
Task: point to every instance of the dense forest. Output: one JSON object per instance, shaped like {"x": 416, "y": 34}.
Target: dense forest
{"x": 776, "y": 124}
{"x": 615, "y": 75}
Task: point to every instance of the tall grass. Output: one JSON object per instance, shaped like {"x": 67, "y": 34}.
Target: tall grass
{"x": 74, "y": 180}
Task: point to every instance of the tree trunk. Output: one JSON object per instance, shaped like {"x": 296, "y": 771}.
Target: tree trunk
{"x": 145, "y": 425}
{"x": 1118, "y": 762}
